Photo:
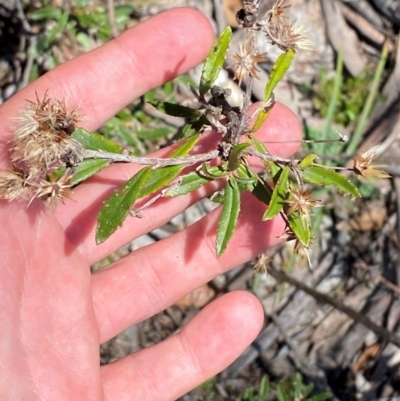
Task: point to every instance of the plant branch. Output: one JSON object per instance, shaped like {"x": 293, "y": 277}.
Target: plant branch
{"x": 270, "y": 158}
{"x": 151, "y": 161}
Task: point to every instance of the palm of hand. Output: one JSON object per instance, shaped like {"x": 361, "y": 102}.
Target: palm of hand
{"x": 49, "y": 327}
{"x": 55, "y": 314}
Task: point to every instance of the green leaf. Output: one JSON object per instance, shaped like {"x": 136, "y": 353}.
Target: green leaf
{"x": 46, "y": 13}
{"x": 321, "y": 396}
{"x": 308, "y": 160}
{"x": 161, "y": 177}
{"x": 155, "y": 133}
{"x": 120, "y": 126}
{"x": 84, "y": 40}
{"x": 235, "y": 155}
{"x": 191, "y": 182}
{"x": 56, "y": 174}
{"x": 247, "y": 179}
{"x": 298, "y": 386}
{"x": 262, "y": 192}
{"x": 175, "y": 110}
{"x": 279, "y": 195}
{"x": 122, "y": 14}
{"x": 264, "y": 388}
{"x": 95, "y": 141}
{"x": 326, "y": 177}
{"x": 300, "y": 228}
{"x": 193, "y": 127}
{"x": 87, "y": 168}
{"x": 282, "y": 64}
{"x": 369, "y": 103}
{"x": 306, "y": 390}
{"x": 116, "y": 208}
{"x": 230, "y": 213}
{"x": 61, "y": 24}
{"x": 262, "y": 116}
{"x": 282, "y": 394}
{"x": 218, "y": 197}
{"x": 258, "y": 145}
{"x": 215, "y": 61}
{"x": 258, "y": 187}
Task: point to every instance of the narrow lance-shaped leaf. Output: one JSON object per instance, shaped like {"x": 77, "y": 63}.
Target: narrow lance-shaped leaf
{"x": 193, "y": 127}
{"x": 192, "y": 181}
{"x": 175, "y": 110}
{"x": 326, "y": 177}
{"x": 260, "y": 147}
{"x": 299, "y": 389}
{"x": 282, "y": 64}
{"x": 229, "y": 217}
{"x": 235, "y": 155}
{"x": 321, "y": 396}
{"x": 87, "y": 168}
{"x": 281, "y": 393}
{"x": 116, "y": 208}
{"x": 95, "y": 141}
{"x": 156, "y": 179}
{"x": 215, "y": 60}
{"x": 154, "y": 133}
{"x": 161, "y": 177}
{"x": 264, "y": 388}
{"x": 61, "y": 24}
{"x": 279, "y": 195}
{"x": 300, "y": 228}
{"x": 248, "y": 180}
{"x": 45, "y": 13}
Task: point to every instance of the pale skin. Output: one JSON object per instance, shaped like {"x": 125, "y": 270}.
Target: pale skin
{"x": 54, "y": 313}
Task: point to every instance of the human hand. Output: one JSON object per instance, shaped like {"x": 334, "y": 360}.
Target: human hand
{"x": 55, "y": 314}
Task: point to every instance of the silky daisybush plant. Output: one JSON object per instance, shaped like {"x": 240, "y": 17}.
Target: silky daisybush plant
{"x": 51, "y": 155}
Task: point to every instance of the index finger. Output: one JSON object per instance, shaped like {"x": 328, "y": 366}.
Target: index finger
{"x": 106, "y": 79}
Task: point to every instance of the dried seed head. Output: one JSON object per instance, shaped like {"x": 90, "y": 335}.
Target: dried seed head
{"x": 278, "y": 10}
{"x": 298, "y": 247}
{"x": 301, "y": 202}
{"x": 55, "y": 190}
{"x": 52, "y": 114}
{"x": 42, "y": 138}
{"x": 246, "y": 61}
{"x": 26, "y": 123}
{"x": 262, "y": 262}
{"x": 287, "y": 34}
{"x": 363, "y": 168}
{"x": 41, "y": 150}
{"x": 12, "y": 184}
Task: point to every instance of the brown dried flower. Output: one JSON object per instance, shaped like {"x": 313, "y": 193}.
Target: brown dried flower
{"x": 261, "y": 264}
{"x": 363, "y": 167}
{"x": 12, "y": 184}
{"x": 277, "y": 11}
{"x": 54, "y": 190}
{"x": 42, "y": 149}
{"x": 42, "y": 137}
{"x": 246, "y": 61}
{"x": 26, "y": 123}
{"x": 52, "y": 114}
{"x": 287, "y": 34}
{"x": 301, "y": 202}
{"x": 288, "y": 236}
